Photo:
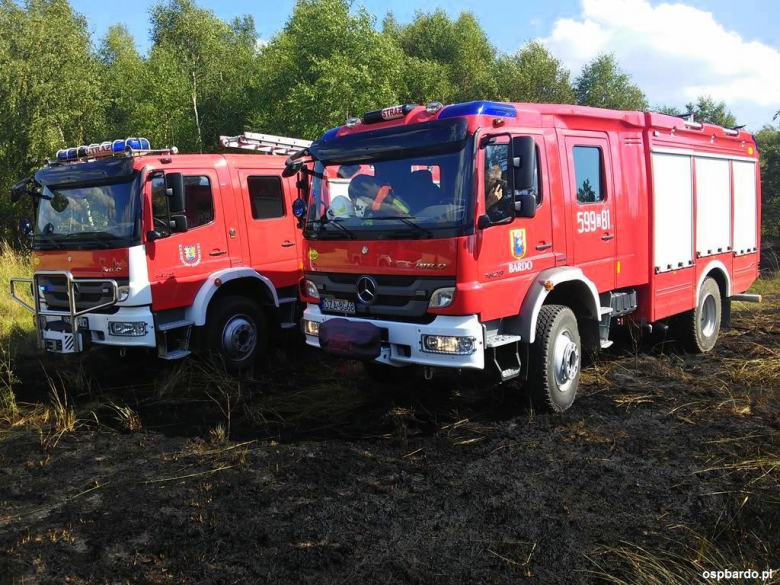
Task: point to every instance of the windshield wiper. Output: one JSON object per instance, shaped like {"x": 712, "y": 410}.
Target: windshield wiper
{"x": 407, "y": 219}
{"x": 323, "y": 222}
{"x": 47, "y": 241}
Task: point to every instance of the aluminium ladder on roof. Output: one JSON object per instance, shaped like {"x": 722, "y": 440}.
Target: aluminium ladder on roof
{"x": 264, "y": 143}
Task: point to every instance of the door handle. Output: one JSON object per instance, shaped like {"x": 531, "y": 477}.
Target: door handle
{"x": 607, "y": 237}
{"x": 544, "y": 246}
{"x": 217, "y": 252}
{"x": 287, "y": 244}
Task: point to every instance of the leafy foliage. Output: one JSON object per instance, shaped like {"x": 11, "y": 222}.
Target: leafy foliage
{"x": 768, "y": 141}
{"x": 203, "y": 77}
{"x": 602, "y": 84}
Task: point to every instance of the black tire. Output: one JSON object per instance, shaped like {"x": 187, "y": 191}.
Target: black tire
{"x": 701, "y": 326}
{"x": 236, "y": 332}
{"x": 555, "y": 359}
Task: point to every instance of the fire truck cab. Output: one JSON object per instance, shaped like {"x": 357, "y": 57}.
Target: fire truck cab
{"x": 141, "y": 248}
{"x": 511, "y": 237}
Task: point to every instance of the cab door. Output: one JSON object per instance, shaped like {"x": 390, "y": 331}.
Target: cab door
{"x": 180, "y": 262}
{"x": 522, "y": 247}
{"x": 590, "y": 194}
{"x": 271, "y": 228}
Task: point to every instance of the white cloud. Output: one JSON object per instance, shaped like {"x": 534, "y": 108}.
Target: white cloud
{"x": 675, "y": 53}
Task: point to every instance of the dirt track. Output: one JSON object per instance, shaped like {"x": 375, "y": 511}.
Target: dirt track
{"x": 449, "y": 484}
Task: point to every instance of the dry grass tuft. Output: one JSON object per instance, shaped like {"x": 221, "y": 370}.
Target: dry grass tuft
{"x": 127, "y": 417}
{"x": 679, "y": 563}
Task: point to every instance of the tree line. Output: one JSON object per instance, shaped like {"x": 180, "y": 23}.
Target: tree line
{"x": 203, "y": 77}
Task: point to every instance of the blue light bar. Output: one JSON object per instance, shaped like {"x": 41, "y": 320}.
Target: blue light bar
{"x": 107, "y": 148}
{"x": 480, "y": 108}
{"x": 331, "y": 133}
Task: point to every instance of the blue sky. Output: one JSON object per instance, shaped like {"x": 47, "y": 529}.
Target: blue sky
{"x": 675, "y": 50}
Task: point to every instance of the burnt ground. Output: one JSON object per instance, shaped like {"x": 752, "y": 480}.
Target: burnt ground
{"x": 666, "y": 465}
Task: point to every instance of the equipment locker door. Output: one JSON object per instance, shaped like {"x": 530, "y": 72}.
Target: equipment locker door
{"x": 179, "y": 263}
{"x": 590, "y": 194}
{"x": 271, "y": 231}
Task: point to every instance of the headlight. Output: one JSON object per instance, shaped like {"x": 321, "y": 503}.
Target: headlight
{"x": 309, "y": 289}
{"x": 311, "y": 327}
{"x": 127, "y": 328}
{"x": 448, "y": 344}
{"x": 442, "y": 297}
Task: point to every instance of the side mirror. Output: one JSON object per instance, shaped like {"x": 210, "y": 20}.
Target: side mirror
{"x": 179, "y": 223}
{"x": 523, "y": 162}
{"x": 19, "y": 190}
{"x": 174, "y": 189}
{"x": 525, "y": 205}
{"x": 25, "y": 228}
{"x": 292, "y": 168}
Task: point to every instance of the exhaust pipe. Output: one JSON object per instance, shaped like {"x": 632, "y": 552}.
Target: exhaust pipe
{"x": 747, "y": 298}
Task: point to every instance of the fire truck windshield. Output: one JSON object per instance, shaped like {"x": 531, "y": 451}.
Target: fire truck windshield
{"x": 79, "y": 217}
{"x": 423, "y": 195}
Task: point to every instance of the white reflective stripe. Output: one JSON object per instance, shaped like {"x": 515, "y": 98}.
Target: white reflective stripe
{"x": 690, "y": 152}
{"x": 140, "y": 288}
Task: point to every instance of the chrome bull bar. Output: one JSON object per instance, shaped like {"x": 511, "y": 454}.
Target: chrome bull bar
{"x": 72, "y": 313}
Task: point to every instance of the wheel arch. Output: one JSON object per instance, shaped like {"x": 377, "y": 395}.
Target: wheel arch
{"x": 568, "y": 286}
{"x": 233, "y": 281}
{"x": 718, "y": 271}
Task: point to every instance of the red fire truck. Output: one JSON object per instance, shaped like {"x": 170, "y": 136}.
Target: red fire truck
{"x": 545, "y": 226}
{"x": 134, "y": 247}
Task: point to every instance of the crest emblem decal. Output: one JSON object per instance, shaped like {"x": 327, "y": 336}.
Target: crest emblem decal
{"x": 189, "y": 254}
{"x": 517, "y": 243}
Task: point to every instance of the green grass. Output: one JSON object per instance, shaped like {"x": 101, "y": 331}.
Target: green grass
{"x": 17, "y": 323}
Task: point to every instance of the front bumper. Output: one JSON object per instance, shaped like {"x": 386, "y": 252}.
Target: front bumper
{"x": 56, "y": 333}
{"x": 402, "y": 342}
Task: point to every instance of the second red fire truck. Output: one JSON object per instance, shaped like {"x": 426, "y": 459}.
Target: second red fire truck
{"x": 140, "y": 248}
{"x": 512, "y": 237}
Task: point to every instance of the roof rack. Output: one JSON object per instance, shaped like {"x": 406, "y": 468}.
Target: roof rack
{"x": 264, "y": 143}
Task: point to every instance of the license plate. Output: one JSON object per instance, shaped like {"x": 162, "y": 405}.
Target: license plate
{"x": 82, "y": 322}
{"x": 338, "y": 306}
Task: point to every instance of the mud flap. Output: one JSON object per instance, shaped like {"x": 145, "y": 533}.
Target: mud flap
{"x": 355, "y": 340}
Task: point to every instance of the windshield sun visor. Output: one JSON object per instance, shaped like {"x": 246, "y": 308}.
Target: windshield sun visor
{"x": 388, "y": 143}
{"x": 113, "y": 170}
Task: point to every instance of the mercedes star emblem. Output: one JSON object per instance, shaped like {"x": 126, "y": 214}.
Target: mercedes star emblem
{"x": 365, "y": 249}
{"x": 366, "y": 290}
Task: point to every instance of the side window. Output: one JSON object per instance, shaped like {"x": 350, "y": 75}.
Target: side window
{"x": 495, "y": 180}
{"x": 198, "y": 201}
{"x": 588, "y": 172}
{"x": 266, "y": 197}
{"x": 160, "y": 207}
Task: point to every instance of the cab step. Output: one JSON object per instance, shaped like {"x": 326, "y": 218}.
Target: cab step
{"x": 499, "y": 340}
{"x": 175, "y": 324}
{"x": 176, "y": 354}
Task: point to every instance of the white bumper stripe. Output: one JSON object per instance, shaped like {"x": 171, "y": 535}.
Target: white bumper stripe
{"x": 409, "y": 335}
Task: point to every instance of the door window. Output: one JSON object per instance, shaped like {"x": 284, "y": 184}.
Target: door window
{"x": 266, "y": 197}
{"x": 198, "y": 201}
{"x": 496, "y": 191}
{"x": 588, "y": 172}
{"x": 160, "y": 207}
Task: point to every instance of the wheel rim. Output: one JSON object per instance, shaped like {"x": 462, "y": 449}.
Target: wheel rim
{"x": 708, "y": 317}
{"x": 566, "y": 360}
{"x": 239, "y": 337}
